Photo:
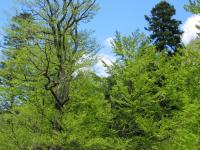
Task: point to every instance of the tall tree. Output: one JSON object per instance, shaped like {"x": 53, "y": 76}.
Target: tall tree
{"x": 55, "y": 47}
{"x": 14, "y": 41}
{"x": 44, "y": 58}
{"x": 151, "y": 96}
{"x": 165, "y": 30}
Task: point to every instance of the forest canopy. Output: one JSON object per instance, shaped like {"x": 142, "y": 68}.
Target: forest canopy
{"x": 50, "y": 99}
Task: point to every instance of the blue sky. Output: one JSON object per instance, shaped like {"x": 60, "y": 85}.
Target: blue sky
{"x": 6, "y": 6}
{"x": 124, "y": 16}
{"x": 127, "y": 15}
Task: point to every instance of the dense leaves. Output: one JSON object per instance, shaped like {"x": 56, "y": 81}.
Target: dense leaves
{"x": 50, "y": 98}
{"x": 150, "y": 95}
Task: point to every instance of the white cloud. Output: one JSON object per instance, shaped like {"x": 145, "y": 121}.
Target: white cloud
{"x": 108, "y": 42}
{"x": 190, "y": 30}
{"x": 105, "y": 56}
{"x": 99, "y": 67}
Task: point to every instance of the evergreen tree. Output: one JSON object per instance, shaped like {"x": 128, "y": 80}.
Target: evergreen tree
{"x": 49, "y": 100}
{"x": 165, "y": 30}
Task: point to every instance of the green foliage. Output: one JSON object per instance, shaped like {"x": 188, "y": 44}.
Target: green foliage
{"x": 150, "y": 96}
{"x": 165, "y": 30}
{"x": 193, "y": 6}
{"x": 84, "y": 121}
{"x": 50, "y": 99}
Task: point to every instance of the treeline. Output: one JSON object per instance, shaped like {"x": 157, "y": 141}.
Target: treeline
{"x": 51, "y": 100}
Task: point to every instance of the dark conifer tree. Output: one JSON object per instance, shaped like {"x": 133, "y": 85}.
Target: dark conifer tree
{"x": 165, "y": 32}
